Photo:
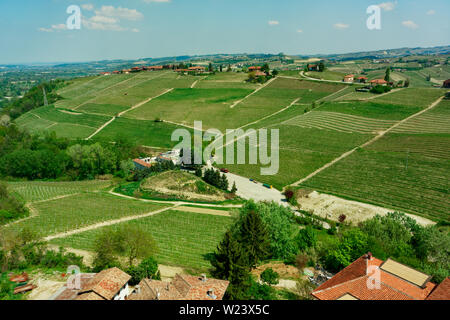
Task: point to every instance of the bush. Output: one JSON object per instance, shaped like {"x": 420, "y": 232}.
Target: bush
{"x": 306, "y": 238}
{"x": 301, "y": 261}
{"x": 147, "y": 269}
{"x": 380, "y": 89}
{"x": 270, "y": 277}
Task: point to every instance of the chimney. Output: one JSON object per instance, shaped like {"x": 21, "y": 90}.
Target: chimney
{"x": 157, "y": 294}
{"x": 211, "y": 294}
{"x": 203, "y": 277}
{"x": 369, "y": 256}
{"x": 138, "y": 289}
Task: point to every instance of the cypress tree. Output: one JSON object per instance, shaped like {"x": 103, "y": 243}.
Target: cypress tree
{"x": 254, "y": 237}
{"x": 230, "y": 260}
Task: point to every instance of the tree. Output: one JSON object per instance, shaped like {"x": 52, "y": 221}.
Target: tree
{"x": 230, "y": 263}
{"x": 266, "y": 69}
{"x": 306, "y": 238}
{"x": 210, "y": 67}
{"x": 134, "y": 242}
{"x": 387, "y": 76}
{"x": 254, "y": 238}
{"x": 321, "y": 66}
{"x": 280, "y": 222}
{"x": 147, "y": 269}
{"x": 275, "y": 73}
{"x": 270, "y": 277}
{"x": 234, "y": 188}
{"x": 129, "y": 241}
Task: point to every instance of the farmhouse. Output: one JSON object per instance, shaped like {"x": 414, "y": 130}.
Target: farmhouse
{"x": 259, "y": 74}
{"x": 109, "y": 284}
{"x": 174, "y": 156}
{"x": 446, "y": 84}
{"x": 369, "y": 278}
{"x": 182, "y": 287}
{"x": 154, "y": 68}
{"x": 105, "y": 73}
{"x": 313, "y": 67}
{"x": 349, "y": 78}
{"x": 378, "y": 82}
{"x": 254, "y": 68}
{"x": 144, "y": 163}
{"x": 362, "y": 79}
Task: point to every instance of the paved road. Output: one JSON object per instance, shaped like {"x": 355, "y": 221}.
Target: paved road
{"x": 256, "y": 191}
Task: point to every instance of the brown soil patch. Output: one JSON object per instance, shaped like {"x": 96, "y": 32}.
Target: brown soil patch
{"x": 285, "y": 271}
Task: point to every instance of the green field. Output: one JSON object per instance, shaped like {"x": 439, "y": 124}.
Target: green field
{"x": 184, "y": 239}
{"x": 81, "y": 210}
{"x": 417, "y": 97}
{"x": 32, "y": 191}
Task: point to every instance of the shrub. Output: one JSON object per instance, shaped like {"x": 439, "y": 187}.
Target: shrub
{"x": 342, "y": 218}
{"x": 306, "y": 238}
{"x": 301, "y": 261}
{"x": 270, "y": 277}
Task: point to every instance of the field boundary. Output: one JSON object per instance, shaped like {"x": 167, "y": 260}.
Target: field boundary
{"x": 123, "y": 112}
{"x": 377, "y": 137}
{"x": 255, "y": 91}
{"x": 106, "y": 223}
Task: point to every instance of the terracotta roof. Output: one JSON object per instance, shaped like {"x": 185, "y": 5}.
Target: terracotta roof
{"x": 349, "y": 76}
{"x": 441, "y": 292}
{"x": 70, "y": 294}
{"x": 259, "y": 73}
{"x": 105, "y": 284}
{"x": 142, "y": 163}
{"x": 197, "y": 68}
{"x": 354, "y": 280}
{"x": 182, "y": 287}
{"x": 378, "y": 81}
{"x": 360, "y": 78}
{"x": 254, "y": 68}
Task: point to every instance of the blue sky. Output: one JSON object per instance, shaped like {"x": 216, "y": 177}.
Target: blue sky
{"x": 34, "y": 31}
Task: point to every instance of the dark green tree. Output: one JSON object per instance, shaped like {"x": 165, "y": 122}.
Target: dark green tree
{"x": 254, "y": 238}
{"x": 387, "y": 76}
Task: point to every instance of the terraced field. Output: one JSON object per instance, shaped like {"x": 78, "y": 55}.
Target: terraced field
{"x": 407, "y": 170}
{"x": 437, "y": 120}
{"x": 339, "y": 122}
{"x": 184, "y": 238}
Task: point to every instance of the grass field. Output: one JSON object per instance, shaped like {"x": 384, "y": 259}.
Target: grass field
{"x": 32, "y": 191}
{"x": 143, "y": 132}
{"x": 418, "y": 97}
{"x": 80, "y": 210}
{"x": 184, "y": 239}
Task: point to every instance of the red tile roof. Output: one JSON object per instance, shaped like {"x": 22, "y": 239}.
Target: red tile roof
{"x": 378, "y": 81}
{"x": 355, "y": 278}
{"x": 182, "y": 287}
{"x": 142, "y": 163}
{"x": 104, "y": 285}
{"x": 441, "y": 292}
{"x": 254, "y": 68}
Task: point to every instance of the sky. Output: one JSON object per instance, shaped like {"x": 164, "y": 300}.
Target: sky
{"x": 36, "y": 31}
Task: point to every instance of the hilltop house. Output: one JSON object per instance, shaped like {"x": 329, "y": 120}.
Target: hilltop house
{"x": 378, "y": 82}
{"x": 369, "y": 278}
{"x": 254, "y": 68}
{"x": 362, "y": 79}
{"x": 109, "y": 284}
{"x": 349, "y": 78}
{"x": 182, "y": 287}
{"x": 144, "y": 163}
{"x": 174, "y": 156}
{"x": 313, "y": 67}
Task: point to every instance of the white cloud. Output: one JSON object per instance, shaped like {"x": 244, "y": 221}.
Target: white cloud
{"x": 274, "y": 22}
{"x": 431, "y": 12}
{"x": 341, "y": 26}
{"x": 108, "y": 18}
{"x": 410, "y": 24}
{"x": 88, "y": 6}
{"x": 120, "y": 13}
{"x": 55, "y": 27}
{"x": 300, "y": 31}
{"x": 387, "y": 6}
